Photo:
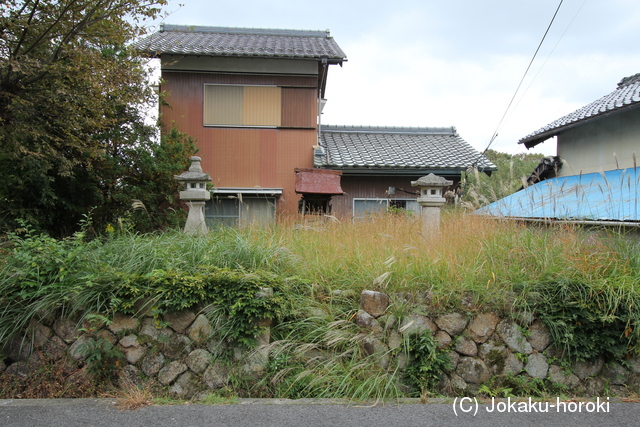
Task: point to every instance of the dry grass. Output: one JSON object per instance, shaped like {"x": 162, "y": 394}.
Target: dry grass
{"x": 131, "y": 396}
{"x": 472, "y": 256}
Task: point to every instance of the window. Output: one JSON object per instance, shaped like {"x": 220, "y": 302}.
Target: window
{"x": 242, "y": 105}
{"x": 240, "y": 211}
{"x": 363, "y": 208}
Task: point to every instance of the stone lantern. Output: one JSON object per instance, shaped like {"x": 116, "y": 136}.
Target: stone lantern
{"x": 195, "y": 194}
{"x": 431, "y": 200}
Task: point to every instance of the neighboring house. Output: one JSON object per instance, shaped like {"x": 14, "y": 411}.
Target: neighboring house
{"x": 250, "y": 97}
{"x": 379, "y": 163}
{"x": 595, "y": 174}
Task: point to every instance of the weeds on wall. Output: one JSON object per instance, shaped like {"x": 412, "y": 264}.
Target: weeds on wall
{"x": 427, "y": 363}
{"x": 587, "y": 320}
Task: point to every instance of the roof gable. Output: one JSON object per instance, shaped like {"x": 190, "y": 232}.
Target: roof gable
{"x": 397, "y": 148}
{"x": 242, "y": 42}
{"x": 626, "y": 96}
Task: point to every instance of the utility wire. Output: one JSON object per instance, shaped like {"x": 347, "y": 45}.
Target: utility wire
{"x": 495, "y": 134}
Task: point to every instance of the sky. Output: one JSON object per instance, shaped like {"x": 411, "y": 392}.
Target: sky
{"x": 436, "y": 63}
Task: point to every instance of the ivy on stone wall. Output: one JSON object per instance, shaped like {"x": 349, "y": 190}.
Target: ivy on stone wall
{"x": 243, "y": 298}
{"x": 586, "y": 320}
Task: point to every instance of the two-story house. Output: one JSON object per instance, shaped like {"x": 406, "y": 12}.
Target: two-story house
{"x": 251, "y": 98}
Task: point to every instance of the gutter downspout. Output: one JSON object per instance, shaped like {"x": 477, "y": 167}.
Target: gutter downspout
{"x": 322, "y": 82}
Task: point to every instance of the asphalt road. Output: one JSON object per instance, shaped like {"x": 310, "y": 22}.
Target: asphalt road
{"x": 281, "y": 413}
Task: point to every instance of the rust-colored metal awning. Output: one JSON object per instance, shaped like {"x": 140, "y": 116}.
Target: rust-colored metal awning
{"x": 318, "y": 181}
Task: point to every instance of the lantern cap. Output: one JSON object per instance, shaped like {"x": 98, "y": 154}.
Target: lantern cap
{"x": 194, "y": 173}
{"x": 431, "y": 180}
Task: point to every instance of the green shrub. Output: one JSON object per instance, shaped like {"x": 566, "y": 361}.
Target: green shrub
{"x": 427, "y": 363}
{"x": 232, "y": 294}
{"x": 586, "y": 319}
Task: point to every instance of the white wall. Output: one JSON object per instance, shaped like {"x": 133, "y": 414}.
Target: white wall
{"x": 608, "y": 143}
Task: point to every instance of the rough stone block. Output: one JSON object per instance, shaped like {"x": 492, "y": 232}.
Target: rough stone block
{"x": 66, "y": 329}
{"x": 180, "y": 320}
{"x": 134, "y": 353}
{"x": 123, "y": 322}
{"x": 200, "y": 329}
{"x": 152, "y": 363}
{"x": 367, "y": 321}
{"x": 539, "y": 336}
{"x": 588, "y": 368}
{"x": 216, "y": 376}
{"x": 443, "y": 339}
{"x": 40, "y": 333}
{"x": 379, "y": 350}
{"x": 558, "y": 376}
{"x": 513, "y": 337}
{"x": 198, "y": 360}
{"x": 417, "y": 324}
{"x": 512, "y": 365}
{"x": 473, "y": 370}
{"x": 537, "y": 366}
{"x": 453, "y": 323}
{"x": 81, "y": 348}
{"x": 169, "y": 373}
{"x": 374, "y": 303}
{"x": 466, "y": 346}
{"x": 483, "y": 326}
{"x": 615, "y": 373}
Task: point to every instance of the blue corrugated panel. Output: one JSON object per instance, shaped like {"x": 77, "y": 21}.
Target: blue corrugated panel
{"x": 610, "y": 196}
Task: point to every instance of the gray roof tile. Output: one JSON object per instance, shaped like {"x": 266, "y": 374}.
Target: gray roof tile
{"x": 250, "y": 42}
{"x": 397, "y": 148}
{"x": 626, "y": 95}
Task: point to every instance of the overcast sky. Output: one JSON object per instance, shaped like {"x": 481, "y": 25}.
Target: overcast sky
{"x": 454, "y": 62}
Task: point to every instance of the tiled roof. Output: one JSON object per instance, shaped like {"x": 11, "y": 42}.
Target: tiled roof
{"x": 242, "y": 42}
{"x": 626, "y": 96}
{"x": 389, "y": 148}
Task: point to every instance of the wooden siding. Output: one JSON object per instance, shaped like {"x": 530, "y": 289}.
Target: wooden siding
{"x": 244, "y": 156}
{"x": 374, "y": 187}
{"x": 299, "y": 108}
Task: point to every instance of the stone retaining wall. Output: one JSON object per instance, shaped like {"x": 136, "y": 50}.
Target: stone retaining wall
{"x": 484, "y": 345}
{"x": 179, "y": 354}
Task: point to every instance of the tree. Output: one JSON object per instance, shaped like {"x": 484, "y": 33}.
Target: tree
{"x": 72, "y": 100}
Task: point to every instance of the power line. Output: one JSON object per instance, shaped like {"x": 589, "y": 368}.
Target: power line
{"x": 495, "y": 134}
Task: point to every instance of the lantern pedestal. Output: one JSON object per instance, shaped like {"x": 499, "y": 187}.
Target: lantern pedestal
{"x": 431, "y": 201}
{"x": 195, "y": 224}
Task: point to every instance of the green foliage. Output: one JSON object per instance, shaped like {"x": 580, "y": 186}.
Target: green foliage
{"x": 233, "y": 294}
{"x": 503, "y": 392}
{"x": 43, "y": 276}
{"x": 480, "y": 189}
{"x": 40, "y": 277}
{"x": 142, "y": 173}
{"x": 511, "y": 385}
{"x": 427, "y": 363}
{"x": 103, "y": 359}
{"x": 586, "y": 319}
{"x": 73, "y": 97}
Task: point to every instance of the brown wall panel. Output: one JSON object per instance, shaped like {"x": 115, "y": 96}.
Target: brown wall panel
{"x": 294, "y": 150}
{"x": 299, "y": 107}
{"x": 246, "y": 157}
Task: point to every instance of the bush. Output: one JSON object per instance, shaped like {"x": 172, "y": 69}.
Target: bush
{"x": 586, "y": 320}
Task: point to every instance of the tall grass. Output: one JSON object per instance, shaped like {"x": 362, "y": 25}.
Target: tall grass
{"x": 470, "y": 256}
{"x": 472, "y": 263}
